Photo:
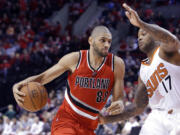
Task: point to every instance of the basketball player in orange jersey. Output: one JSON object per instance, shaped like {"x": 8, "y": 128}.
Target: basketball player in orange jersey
{"x": 93, "y": 75}
{"x": 158, "y": 81}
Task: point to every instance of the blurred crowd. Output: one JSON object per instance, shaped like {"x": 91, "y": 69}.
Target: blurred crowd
{"x": 29, "y": 41}
{"x": 17, "y": 121}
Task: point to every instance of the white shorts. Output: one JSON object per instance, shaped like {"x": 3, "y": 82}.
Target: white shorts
{"x": 160, "y": 122}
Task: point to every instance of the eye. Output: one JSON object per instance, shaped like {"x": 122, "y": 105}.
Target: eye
{"x": 144, "y": 33}
{"x": 102, "y": 40}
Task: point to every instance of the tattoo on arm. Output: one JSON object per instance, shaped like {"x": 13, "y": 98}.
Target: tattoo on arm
{"x": 141, "y": 101}
{"x": 160, "y": 34}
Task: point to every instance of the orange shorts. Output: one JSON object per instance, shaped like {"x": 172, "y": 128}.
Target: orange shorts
{"x": 65, "y": 124}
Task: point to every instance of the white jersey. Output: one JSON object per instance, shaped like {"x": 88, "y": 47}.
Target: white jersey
{"x": 162, "y": 80}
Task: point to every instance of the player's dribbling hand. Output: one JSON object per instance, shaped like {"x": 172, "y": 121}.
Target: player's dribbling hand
{"x": 116, "y": 107}
{"x": 18, "y": 95}
{"x": 132, "y": 15}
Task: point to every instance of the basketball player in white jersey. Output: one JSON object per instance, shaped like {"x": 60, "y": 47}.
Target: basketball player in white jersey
{"x": 158, "y": 81}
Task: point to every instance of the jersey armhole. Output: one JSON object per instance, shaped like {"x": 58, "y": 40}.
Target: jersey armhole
{"x": 79, "y": 60}
{"x": 112, "y": 62}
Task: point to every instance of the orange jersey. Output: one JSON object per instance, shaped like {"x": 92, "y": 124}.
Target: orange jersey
{"x": 88, "y": 90}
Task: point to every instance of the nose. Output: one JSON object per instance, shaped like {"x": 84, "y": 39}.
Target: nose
{"x": 139, "y": 39}
{"x": 107, "y": 44}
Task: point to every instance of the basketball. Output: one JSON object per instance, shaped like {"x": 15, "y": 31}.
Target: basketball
{"x": 36, "y": 96}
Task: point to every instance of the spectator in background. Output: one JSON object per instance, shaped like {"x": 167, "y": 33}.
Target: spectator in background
{"x": 37, "y": 126}
{"x": 10, "y": 113}
{"x": 1, "y": 124}
{"x": 15, "y": 126}
{"x": 6, "y": 126}
{"x": 129, "y": 61}
{"x": 47, "y": 123}
{"x": 110, "y": 129}
{"x": 24, "y": 124}
{"x": 132, "y": 122}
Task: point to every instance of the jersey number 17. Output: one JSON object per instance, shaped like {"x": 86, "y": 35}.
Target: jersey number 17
{"x": 165, "y": 83}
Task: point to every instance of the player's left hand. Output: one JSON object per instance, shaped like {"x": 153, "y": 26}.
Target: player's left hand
{"x": 116, "y": 107}
{"x": 132, "y": 15}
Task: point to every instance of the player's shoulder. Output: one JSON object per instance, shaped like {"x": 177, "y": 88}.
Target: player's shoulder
{"x": 118, "y": 61}
{"x": 119, "y": 66}
{"x": 73, "y": 55}
{"x": 70, "y": 58}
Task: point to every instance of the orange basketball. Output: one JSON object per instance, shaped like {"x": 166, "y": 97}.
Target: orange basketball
{"x": 36, "y": 96}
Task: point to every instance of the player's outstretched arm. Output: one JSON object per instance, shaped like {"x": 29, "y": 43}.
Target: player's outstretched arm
{"x": 117, "y": 105}
{"x": 170, "y": 41}
{"x": 136, "y": 108}
{"x": 67, "y": 62}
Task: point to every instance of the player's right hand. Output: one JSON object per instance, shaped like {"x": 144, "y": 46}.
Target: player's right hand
{"x": 132, "y": 16}
{"x": 18, "y": 95}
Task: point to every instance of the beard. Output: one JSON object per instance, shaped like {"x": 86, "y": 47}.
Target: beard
{"x": 98, "y": 51}
{"x": 148, "y": 47}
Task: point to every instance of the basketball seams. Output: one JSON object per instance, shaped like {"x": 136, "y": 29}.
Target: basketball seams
{"x": 36, "y": 96}
{"x": 45, "y": 95}
{"x": 31, "y": 97}
{"x": 41, "y": 94}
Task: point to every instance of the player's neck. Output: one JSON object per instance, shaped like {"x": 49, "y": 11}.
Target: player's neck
{"x": 95, "y": 60}
{"x": 151, "y": 53}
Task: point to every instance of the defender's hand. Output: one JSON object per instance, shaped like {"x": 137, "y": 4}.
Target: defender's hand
{"x": 18, "y": 95}
{"x": 132, "y": 16}
{"x": 116, "y": 107}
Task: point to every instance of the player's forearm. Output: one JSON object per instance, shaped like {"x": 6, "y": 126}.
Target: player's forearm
{"x": 159, "y": 33}
{"x": 36, "y": 78}
{"x": 130, "y": 111}
{"x": 140, "y": 103}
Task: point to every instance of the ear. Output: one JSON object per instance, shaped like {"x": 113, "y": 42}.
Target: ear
{"x": 90, "y": 40}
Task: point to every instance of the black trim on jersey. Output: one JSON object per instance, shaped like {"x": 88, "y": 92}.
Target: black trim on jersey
{"x": 146, "y": 61}
{"x": 78, "y": 103}
{"x": 79, "y": 60}
{"x": 90, "y": 64}
{"x": 113, "y": 64}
